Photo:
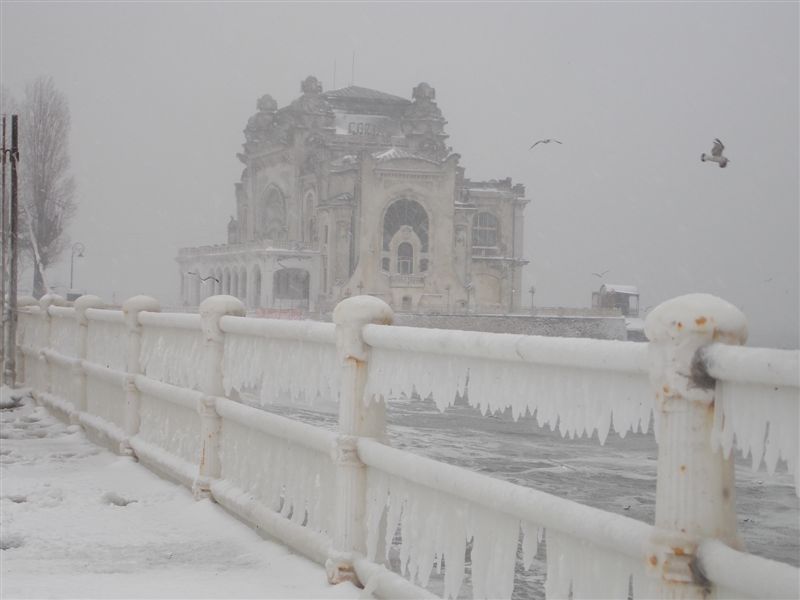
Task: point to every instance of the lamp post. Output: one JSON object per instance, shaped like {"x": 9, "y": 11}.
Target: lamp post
{"x": 532, "y": 291}
{"x": 77, "y": 250}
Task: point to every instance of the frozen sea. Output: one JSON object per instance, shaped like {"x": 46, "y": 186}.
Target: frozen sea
{"x": 619, "y": 476}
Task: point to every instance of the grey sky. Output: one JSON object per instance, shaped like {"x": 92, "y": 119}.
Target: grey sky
{"x": 160, "y": 94}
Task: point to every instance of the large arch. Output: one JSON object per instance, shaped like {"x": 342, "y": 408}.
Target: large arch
{"x": 290, "y": 288}
{"x": 405, "y": 212}
{"x": 243, "y": 285}
{"x": 405, "y": 238}
{"x": 270, "y": 217}
{"x": 255, "y": 292}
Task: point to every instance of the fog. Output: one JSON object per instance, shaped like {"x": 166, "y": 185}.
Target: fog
{"x": 160, "y": 93}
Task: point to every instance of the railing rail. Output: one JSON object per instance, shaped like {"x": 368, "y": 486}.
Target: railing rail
{"x": 172, "y": 396}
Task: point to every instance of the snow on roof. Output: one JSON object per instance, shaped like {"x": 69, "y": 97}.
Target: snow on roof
{"x": 362, "y": 93}
{"x": 394, "y": 153}
{"x": 614, "y": 288}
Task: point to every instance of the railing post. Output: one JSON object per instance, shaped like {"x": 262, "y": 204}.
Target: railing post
{"x": 133, "y": 364}
{"x": 211, "y": 311}
{"x": 45, "y": 302}
{"x": 19, "y": 377}
{"x": 695, "y": 485}
{"x": 357, "y": 418}
{"x": 78, "y": 373}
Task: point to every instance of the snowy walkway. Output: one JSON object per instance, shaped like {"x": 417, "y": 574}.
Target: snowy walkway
{"x": 80, "y": 522}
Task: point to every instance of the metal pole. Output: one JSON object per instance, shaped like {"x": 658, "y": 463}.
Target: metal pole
{"x": 3, "y": 252}
{"x": 71, "y": 269}
{"x": 11, "y": 331}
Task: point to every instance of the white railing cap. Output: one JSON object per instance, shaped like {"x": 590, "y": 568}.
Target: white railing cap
{"x": 702, "y": 314}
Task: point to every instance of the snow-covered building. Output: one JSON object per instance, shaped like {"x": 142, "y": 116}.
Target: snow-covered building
{"x": 355, "y": 191}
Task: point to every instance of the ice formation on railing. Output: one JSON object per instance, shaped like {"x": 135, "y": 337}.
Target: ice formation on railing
{"x": 579, "y": 569}
{"x": 284, "y": 476}
{"x": 173, "y": 355}
{"x": 62, "y": 381}
{"x": 63, "y": 335}
{"x": 279, "y": 370}
{"x": 578, "y": 400}
{"x": 434, "y": 531}
{"x": 105, "y": 400}
{"x": 763, "y": 419}
{"x": 32, "y": 331}
{"x": 107, "y": 344}
{"x": 173, "y": 428}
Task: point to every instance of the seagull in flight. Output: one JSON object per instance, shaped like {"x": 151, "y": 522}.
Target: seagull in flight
{"x": 202, "y": 278}
{"x": 546, "y": 141}
{"x": 601, "y": 275}
{"x": 716, "y": 154}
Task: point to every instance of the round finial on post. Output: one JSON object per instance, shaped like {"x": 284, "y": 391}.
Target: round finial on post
{"x": 212, "y": 309}
{"x": 49, "y": 300}
{"x": 136, "y": 304}
{"x": 26, "y": 301}
{"x": 85, "y": 302}
{"x": 677, "y": 329}
{"x": 351, "y": 314}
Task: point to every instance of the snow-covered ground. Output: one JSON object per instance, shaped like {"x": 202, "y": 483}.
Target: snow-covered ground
{"x": 80, "y": 522}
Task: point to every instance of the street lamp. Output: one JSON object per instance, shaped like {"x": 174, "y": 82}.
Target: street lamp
{"x": 77, "y": 250}
{"x": 532, "y": 291}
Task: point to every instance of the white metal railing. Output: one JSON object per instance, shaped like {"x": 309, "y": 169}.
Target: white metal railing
{"x": 167, "y": 388}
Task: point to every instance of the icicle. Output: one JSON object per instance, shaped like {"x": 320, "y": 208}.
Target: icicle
{"x": 107, "y": 344}
{"x": 173, "y": 355}
{"x": 283, "y": 476}
{"x": 763, "y": 422}
{"x": 578, "y": 569}
{"x": 531, "y": 536}
{"x": 305, "y": 373}
{"x": 171, "y": 427}
{"x": 577, "y": 401}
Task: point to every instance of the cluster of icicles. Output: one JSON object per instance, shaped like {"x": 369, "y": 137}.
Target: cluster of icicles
{"x": 286, "y": 477}
{"x": 578, "y": 401}
{"x": 63, "y": 334}
{"x": 279, "y": 370}
{"x": 173, "y": 428}
{"x": 173, "y": 355}
{"x": 763, "y": 420}
{"x": 106, "y": 344}
{"x": 435, "y": 530}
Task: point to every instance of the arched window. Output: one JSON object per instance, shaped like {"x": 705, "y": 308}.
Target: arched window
{"x": 271, "y": 216}
{"x": 484, "y": 231}
{"x": 405, "y": 259}
{"x": 405, "y": 212}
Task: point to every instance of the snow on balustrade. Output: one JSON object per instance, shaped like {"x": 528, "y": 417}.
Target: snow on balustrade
{"x": 64, "y": 331}
{"x": 171, "y": 427}
{"x": 105, "y": 399}
{"x": 577, "y": 400}
{"x": 173, "y": 355}
{"x": 107, "y": 341}
{"x": 62, "y": 380}
{"x": 282, "y": 475}
{"x": 301, "y": 372}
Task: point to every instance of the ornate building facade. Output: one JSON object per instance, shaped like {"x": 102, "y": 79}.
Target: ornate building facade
{"x": 355, "y": 191}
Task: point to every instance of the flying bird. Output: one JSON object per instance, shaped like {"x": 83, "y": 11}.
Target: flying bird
{"x": 547, "y": 141}
{"x": 716, "y": 154}
{"x": 202, "y": 278}
{"x": 601, "y": 275}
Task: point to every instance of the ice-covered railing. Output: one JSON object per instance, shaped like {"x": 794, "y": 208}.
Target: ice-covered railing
{"x": 345, "y": 499}
{"x": 578, "y": 385}
{"x": 271, "y": 359}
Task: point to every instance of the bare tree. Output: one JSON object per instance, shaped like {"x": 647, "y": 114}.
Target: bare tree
{"x": 47, "y": 190}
